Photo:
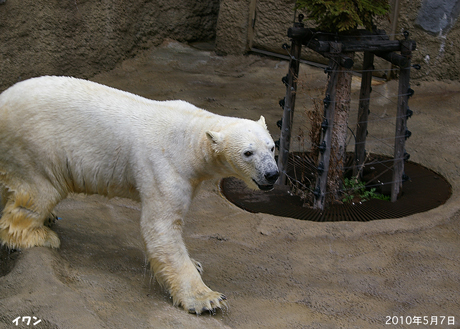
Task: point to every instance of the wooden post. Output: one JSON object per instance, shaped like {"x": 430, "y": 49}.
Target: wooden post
{"x": 326, "y": 137}
{"x": 401, "y": 118}
{"x": 288, "y": 113}
{"x": 363, "y": 113}
{"x": 338, "y": 49}
{"x": 339, "y": 132}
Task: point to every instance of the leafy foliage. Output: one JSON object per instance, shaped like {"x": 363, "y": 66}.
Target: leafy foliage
{"x": 355, "y": 189}
{"x": 343, "y": 15}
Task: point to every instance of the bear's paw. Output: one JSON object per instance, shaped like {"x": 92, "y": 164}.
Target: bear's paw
{"x": 35, "y": 237}
{"x": 208, "y": 301}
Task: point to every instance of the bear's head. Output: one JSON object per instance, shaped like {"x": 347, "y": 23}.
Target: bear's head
{"x": 248, "y": 152}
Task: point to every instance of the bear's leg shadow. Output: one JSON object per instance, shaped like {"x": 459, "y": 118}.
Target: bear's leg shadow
{"x": 171, "y": 264}
{"x": 25, "y": 211}
{"x": 4, "y": 196}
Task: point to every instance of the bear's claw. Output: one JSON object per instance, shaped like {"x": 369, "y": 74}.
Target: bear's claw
{"x": 204, "y": 309}
{"x": 210, "y": 306}
{"x": 198, "y": 266}
{"x": 51, "y": 220}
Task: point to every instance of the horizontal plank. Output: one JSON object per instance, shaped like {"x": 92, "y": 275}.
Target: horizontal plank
{"x": 359, "y": 40}
{"x": 394, "y": 58}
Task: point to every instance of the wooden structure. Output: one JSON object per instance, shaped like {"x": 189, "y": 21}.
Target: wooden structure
{"x": 337, "y": 48}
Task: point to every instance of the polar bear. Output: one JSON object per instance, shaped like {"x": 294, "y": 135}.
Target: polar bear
{"x": 61, "y": 135}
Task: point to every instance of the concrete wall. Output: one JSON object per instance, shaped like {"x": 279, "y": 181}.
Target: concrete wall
{"x": 82, "y": 37}
{"x": 433, "y": 24}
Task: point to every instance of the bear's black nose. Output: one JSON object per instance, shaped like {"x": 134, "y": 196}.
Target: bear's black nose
{"x": 272, "y": 176}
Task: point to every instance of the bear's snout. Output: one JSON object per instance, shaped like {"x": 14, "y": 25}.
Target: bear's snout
{"x": 269, "y": 179}
{"x": 272, "y": 176}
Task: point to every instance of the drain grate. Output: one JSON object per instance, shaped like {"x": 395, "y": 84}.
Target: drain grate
{"x": 424, "y": 191}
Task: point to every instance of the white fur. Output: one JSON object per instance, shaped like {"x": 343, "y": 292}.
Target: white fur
{"x": 60, "y": 135}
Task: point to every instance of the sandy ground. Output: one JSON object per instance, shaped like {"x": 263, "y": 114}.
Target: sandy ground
{"x": 276, "y": 272}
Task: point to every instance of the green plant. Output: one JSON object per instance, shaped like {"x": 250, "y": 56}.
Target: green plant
{"x": 343, "y": 15}
{"x": 354, "y": 189}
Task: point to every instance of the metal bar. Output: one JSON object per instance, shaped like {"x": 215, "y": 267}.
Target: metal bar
{"x": 251, "y": 22}
{"x": 394, "y": 18}
{"x": 286, "y": 57}
{"x": 394, "y": 15}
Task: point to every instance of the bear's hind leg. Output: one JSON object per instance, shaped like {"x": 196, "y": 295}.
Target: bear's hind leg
{"x": 23, "y": 218}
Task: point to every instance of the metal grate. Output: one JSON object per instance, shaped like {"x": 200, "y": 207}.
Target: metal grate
{"x": 424, "y": 190}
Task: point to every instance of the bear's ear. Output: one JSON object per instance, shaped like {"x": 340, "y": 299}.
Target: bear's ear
{"x": 216, "y": 139}
{"x": 262, "y": 122}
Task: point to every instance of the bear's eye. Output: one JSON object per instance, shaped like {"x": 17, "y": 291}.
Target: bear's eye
{"x": 248, "y": 153}
{"x": 272, "y": 149}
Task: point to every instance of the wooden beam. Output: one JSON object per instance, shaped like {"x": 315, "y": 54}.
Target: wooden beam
{"x": 343, "y": 60}
{"x": 363, "y": 113}
{"x": 394, "y": 58}
{"x": 360, "y": 40}
{"x": 401, "y": 118}
{"x": 288, "y": 110}
{"x": 356, "y": 46}
{"x": 326, "y": 137}
{"x": 373, "y": 45}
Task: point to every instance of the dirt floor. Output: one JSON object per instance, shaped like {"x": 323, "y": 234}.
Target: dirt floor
{"x": 276, "y": 272}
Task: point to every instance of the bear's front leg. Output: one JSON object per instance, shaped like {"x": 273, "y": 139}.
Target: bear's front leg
{"x": 171, "y": 264}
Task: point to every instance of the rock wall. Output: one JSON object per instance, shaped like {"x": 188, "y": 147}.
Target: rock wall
{"x": 431, "y": 23}
{"x": 82, "y": 37}
{"x": 233, "y": 27}
{"x": 438, "y": 42}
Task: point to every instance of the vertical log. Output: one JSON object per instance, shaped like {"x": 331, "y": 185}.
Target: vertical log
{"x": 401, "y": 117}
{"x": 363, "y": 113}
{"x": 326, "y": 137}
{"x": 288, "y": 113}
{"x": 339, "y": 132}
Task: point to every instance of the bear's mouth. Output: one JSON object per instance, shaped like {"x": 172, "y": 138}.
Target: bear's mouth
{"x": 264, "y": 187}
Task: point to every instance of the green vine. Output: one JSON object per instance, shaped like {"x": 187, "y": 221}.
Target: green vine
{"x": 355, "y": 190}
{"x": 343, "y": 15}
